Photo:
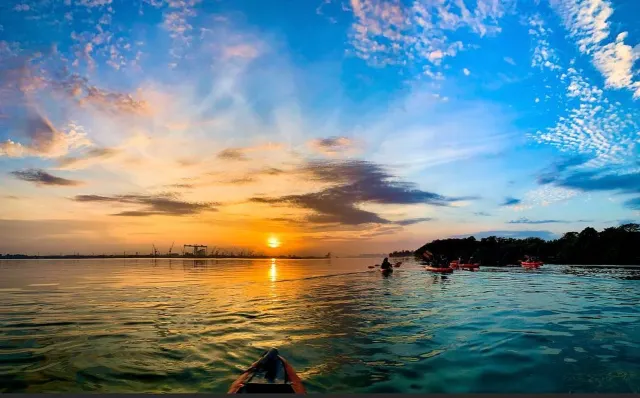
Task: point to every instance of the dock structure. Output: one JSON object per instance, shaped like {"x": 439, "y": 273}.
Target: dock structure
{"x": 196, "y": 250}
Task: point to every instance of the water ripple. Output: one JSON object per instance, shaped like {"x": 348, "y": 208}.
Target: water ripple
{"x": 193, "y": 326}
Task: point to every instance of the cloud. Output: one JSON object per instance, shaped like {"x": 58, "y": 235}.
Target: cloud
{"x": 509, "y": 60}
{"x": 386, "y": 32}
{"x": 248, "y": 51}
{"x": 151, "y": 205}
{"x": 546, "y": 235}
{"x": 588, "y": 23}
{"x": 633, "y": 203}
{"x": 509, "y": 201}
{"x": 547, "y": 195}
{"x": 595, "y": 127}
{"x": 466, "y": 71}
{"x": 482, "y": 214}
{"x": 42, "y": 139}
{"x": 353, "y": 182}
{"x": 524, "y": 220}
{"x": 232, "y": 154}
{"x": 41, "y": 177}
{"x": 331, "y": 145}
{"x": 91, "y": 156}
{"x": 240, "y": 154}
{"x": 411, "y": 221}
{"x": 239, "y": 181}
{"x": 544, "y": 56}
{"x": 272, "y": 171}
{"x": 590, "y": 181}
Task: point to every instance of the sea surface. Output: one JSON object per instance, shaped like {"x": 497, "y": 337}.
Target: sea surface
{"x": 193, "y": 326}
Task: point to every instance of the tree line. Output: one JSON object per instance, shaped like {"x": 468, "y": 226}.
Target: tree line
{"x": 612, "y": 246}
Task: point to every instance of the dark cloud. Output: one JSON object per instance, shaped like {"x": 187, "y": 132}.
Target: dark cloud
{"x": 633, "y": 203}
{"x": 331, "y": 144}
{"x": 509, "y": 201}
{"x": 165, "y": 204}
{"x": 559, "y": 167}
{"x": 524, "y": 220}
{"x": 411, "y": 221}
{"x": 272, "y": 171}
{"x": 527, "y": 221}
{"x": 547, "y": 235}
{"x": 232, "y": 154}
{"x": 41, "y": 177}
{"x": 181, "y": 186}
{"x": 353, "y": 182}
{"x": 239, "y": 181}
{"x": 589, "y": 181}
{"x": 91, "y": 154}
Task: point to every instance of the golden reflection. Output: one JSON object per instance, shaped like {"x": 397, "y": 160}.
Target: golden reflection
{"x": 273, "y": 271}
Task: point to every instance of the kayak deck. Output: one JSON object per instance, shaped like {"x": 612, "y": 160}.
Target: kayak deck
{"x": 271, "y": 374}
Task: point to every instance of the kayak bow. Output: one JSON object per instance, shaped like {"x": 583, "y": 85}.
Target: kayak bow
{"x": 271, "y": 374}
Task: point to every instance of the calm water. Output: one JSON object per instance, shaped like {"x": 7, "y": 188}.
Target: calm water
{"x": 185, "y": 326}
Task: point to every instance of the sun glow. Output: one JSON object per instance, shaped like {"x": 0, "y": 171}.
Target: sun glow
{"x": 273, "y": 242}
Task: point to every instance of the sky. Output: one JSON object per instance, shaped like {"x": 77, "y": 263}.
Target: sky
{"x": 352, "y": 126}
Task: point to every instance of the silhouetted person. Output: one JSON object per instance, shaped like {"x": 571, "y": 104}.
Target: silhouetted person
{"x": 386, "y": 264}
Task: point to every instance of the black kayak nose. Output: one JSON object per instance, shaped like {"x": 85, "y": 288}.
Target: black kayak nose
{"x": 269, "y": 363}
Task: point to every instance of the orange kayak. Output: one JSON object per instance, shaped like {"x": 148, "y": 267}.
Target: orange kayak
{"x": 440, "y": 270}
{"x": 532, "y": 264}
{"x": 271, "y": 374}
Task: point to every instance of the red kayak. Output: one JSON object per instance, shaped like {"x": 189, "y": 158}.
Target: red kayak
{"x": 271, "y": 374}
{"x": 532, "y": 264}
{"x": 440, "y": 270}
{"x": 455, "y": 265}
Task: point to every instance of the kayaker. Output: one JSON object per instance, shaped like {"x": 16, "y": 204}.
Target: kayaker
{"x": 386, "y": 264}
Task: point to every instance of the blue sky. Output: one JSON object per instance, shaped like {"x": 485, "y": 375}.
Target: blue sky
{"x": 329, "y": 124}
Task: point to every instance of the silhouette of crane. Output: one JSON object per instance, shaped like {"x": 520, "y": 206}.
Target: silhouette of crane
{"x": 171, "y": 248}
{"x": 198, "y": 250}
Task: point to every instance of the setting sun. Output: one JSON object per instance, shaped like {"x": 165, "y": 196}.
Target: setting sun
{"x": 273, "y": 242}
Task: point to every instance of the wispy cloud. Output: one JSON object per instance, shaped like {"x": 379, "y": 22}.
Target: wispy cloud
{"x": 246, "y": 50}
{"x": 151, "y": 205}
{"x": 41, "y": 177}
{"x": 91, "y": 156}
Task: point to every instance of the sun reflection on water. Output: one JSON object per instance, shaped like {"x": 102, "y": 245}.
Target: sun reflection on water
{"x": 273, "y": 271}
